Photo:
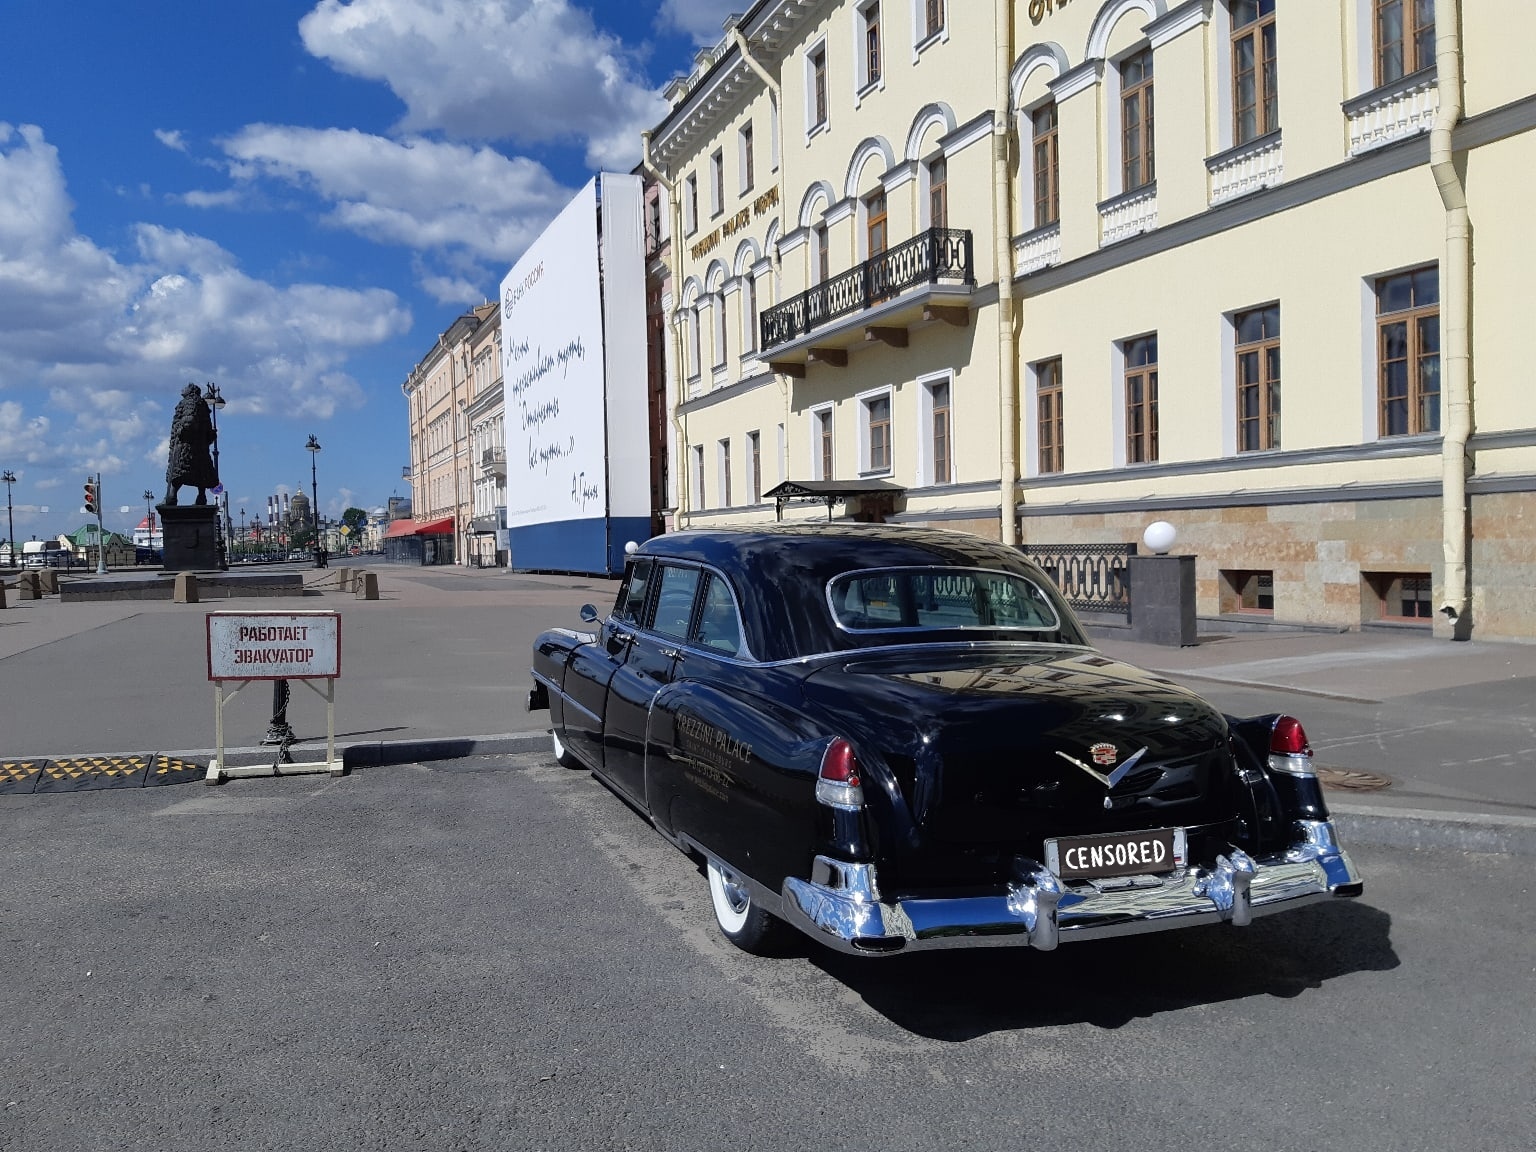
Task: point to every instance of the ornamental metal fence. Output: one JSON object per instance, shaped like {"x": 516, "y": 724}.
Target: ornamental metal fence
{"x": 939, "y": 254}
{"x": 1093, "y": 577}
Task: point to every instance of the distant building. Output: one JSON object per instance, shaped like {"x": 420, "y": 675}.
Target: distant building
{"x": 148, "y": 534}
{"x": 82, "y": 544}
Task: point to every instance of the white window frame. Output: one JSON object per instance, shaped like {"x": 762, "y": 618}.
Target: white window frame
{"x": 699, "y": 502}
{"x": 748, "y": 316}
{"x": 821, "y": 237}
{"x": 866, "y": 447}
{"x": 813, "y": 127}
{"x": 924, "y": 193}
{"x": 925, "y": 385}
{"x": 921, "y": 41}
{"x": 716, "y": 182}
{"x": 783, "y": 445}
{"x": 695, "y": 348}
{"x": 745, "y": 168}
{"x": 815, "y": 415}
{"x": 690, "y": 204}
{"x": 1113, "y": 137}
{"x": 773, "y": 133}
{"x": 717, "y": 329}
{"x": 862, "y": 84}
{"x": 754, "y": 449}
{"x": 1221, "y": 38}
{"x": 723, "y": 470}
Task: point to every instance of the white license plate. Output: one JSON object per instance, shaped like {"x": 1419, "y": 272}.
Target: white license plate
{"x": 1148, "y": 851}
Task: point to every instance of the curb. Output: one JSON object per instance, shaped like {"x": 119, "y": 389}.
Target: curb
{"x": 383, "y": 753}
{"x": 1424, "y": 828}
{"x": 1357, "y": 824}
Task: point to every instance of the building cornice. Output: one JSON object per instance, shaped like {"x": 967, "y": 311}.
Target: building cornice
{"x": 1177, "y": 21}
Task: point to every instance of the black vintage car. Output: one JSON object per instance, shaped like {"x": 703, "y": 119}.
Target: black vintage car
{"x": 896, "y": 738}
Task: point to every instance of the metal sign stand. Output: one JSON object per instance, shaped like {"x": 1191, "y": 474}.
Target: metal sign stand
{"x": 217, "y": 769}
{"x": 244, "y": 647}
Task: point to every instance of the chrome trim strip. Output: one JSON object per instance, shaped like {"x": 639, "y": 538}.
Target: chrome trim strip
{"x": 961, "y": 645}
{"x": 840, "y": 905}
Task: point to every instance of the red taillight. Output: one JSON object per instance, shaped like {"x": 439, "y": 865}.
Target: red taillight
{"x": 839, "y": 765}
{"x": 837, "y": 782}
{"x": 1289, "y": 738}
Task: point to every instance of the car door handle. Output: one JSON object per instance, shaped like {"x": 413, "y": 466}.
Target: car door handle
{"x": 624, "y": 637}
{"x": 674, "y": 654}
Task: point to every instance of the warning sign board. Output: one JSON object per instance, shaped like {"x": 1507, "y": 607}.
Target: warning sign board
{"x": 274, "y": 645}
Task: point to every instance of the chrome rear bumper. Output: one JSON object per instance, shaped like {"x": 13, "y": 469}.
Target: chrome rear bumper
{"x": 841, "y": 907}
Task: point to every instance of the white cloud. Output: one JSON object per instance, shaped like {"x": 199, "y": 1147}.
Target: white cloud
{"x": 172, "y": 140}
{"x": 113, "y": 339}
{"x": 22, "y": 438}
{"x": 199, "y": 199}
{"x": 530, "y": 71}
{"x": 704, "y": 20}
{"x": 415, "y": 193}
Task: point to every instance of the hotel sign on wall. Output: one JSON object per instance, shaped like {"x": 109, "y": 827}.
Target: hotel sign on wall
{"x": 760, "y": 207}
{"x": 1040, "y": 9}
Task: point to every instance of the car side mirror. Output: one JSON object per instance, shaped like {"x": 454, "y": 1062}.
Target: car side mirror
{"x": 589, "y": 613}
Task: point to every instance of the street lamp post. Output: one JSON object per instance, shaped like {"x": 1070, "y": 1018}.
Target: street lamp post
{"x": 216, "y": 401}
{"x": 314, "y": 500}
{"x": 8, "y": 478}
{"x": 149, "y": 521}
{"x": 243, "y": 540}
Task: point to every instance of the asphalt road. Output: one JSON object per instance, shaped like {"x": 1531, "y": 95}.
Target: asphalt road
{"x": 497, "y": 953}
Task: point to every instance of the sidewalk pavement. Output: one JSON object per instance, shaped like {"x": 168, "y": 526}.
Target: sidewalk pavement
{"x": 1422, "y": 743}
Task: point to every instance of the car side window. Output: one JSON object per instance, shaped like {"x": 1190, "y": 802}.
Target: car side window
{"x": 674, "y": 601}
{"x": 630, "y": 605}
{"x": 719, "y": 627}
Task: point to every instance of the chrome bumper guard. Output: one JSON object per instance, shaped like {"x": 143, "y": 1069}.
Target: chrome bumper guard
{"x": 841, "y": 907}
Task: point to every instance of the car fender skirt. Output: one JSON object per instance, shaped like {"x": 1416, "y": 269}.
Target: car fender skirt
{"x": 841, "y": 905}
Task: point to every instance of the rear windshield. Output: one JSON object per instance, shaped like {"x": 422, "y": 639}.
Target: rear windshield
{"x": 891, "y": 599}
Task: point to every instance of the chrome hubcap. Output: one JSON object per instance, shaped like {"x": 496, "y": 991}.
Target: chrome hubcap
{"x": 735, "y": 892}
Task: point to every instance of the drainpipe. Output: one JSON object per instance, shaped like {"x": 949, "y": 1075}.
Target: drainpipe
{"x": 774, "y": 93}
{"x": 1002, "y": 216}
{"x": 675, "y": 385}
{"x": 1455, "y": 313}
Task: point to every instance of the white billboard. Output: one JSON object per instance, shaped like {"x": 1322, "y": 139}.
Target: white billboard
{"x": 552, "y": 371}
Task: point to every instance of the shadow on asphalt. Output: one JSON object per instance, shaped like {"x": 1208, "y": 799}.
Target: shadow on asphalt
{"x": 961, "y": 995}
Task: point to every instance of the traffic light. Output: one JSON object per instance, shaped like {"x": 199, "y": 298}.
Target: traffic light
{"x": 91, "y": 497}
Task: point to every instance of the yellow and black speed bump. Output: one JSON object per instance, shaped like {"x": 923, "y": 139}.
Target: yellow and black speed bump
{"x": 19, "y": 777}
{"x": 171, "y": 770}
{"x": 85, "y": 773}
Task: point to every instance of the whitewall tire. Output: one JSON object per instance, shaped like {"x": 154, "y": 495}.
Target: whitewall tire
{"x": 741, "y": 921}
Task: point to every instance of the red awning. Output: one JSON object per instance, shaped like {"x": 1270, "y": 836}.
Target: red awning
{"x": 398, "y": 528}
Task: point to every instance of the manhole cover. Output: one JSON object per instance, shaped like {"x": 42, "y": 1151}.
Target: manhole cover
{"x": 1352, "y": 780}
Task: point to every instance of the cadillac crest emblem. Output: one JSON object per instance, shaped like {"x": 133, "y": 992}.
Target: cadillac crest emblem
{"x": 1104, "y": 753}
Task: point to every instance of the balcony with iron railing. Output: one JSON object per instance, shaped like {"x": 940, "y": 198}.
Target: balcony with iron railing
{"x": 493, "y": 461}
{"x": 930, "y": 276}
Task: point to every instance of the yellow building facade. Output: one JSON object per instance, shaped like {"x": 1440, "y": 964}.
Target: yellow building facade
{"x": 454, "y": 411}
{"x": 1061, "y": 268}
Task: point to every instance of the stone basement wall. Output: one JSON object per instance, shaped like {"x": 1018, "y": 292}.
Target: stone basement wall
{"x": 1318, "y": 553}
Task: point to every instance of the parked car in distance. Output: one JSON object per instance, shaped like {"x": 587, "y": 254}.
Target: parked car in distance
{"x": 44, "y": 554}
{"x": 897, "y": 739}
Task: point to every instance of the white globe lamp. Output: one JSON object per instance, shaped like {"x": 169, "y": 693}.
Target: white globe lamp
{"x": 1159, "y": 537}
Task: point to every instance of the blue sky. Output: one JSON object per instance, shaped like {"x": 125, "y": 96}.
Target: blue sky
{"x": 289, "y": 198}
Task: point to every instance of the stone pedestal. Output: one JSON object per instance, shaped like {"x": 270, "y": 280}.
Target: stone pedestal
{"x": 191, "y": 537}
{"x": 1163, "y": 599}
